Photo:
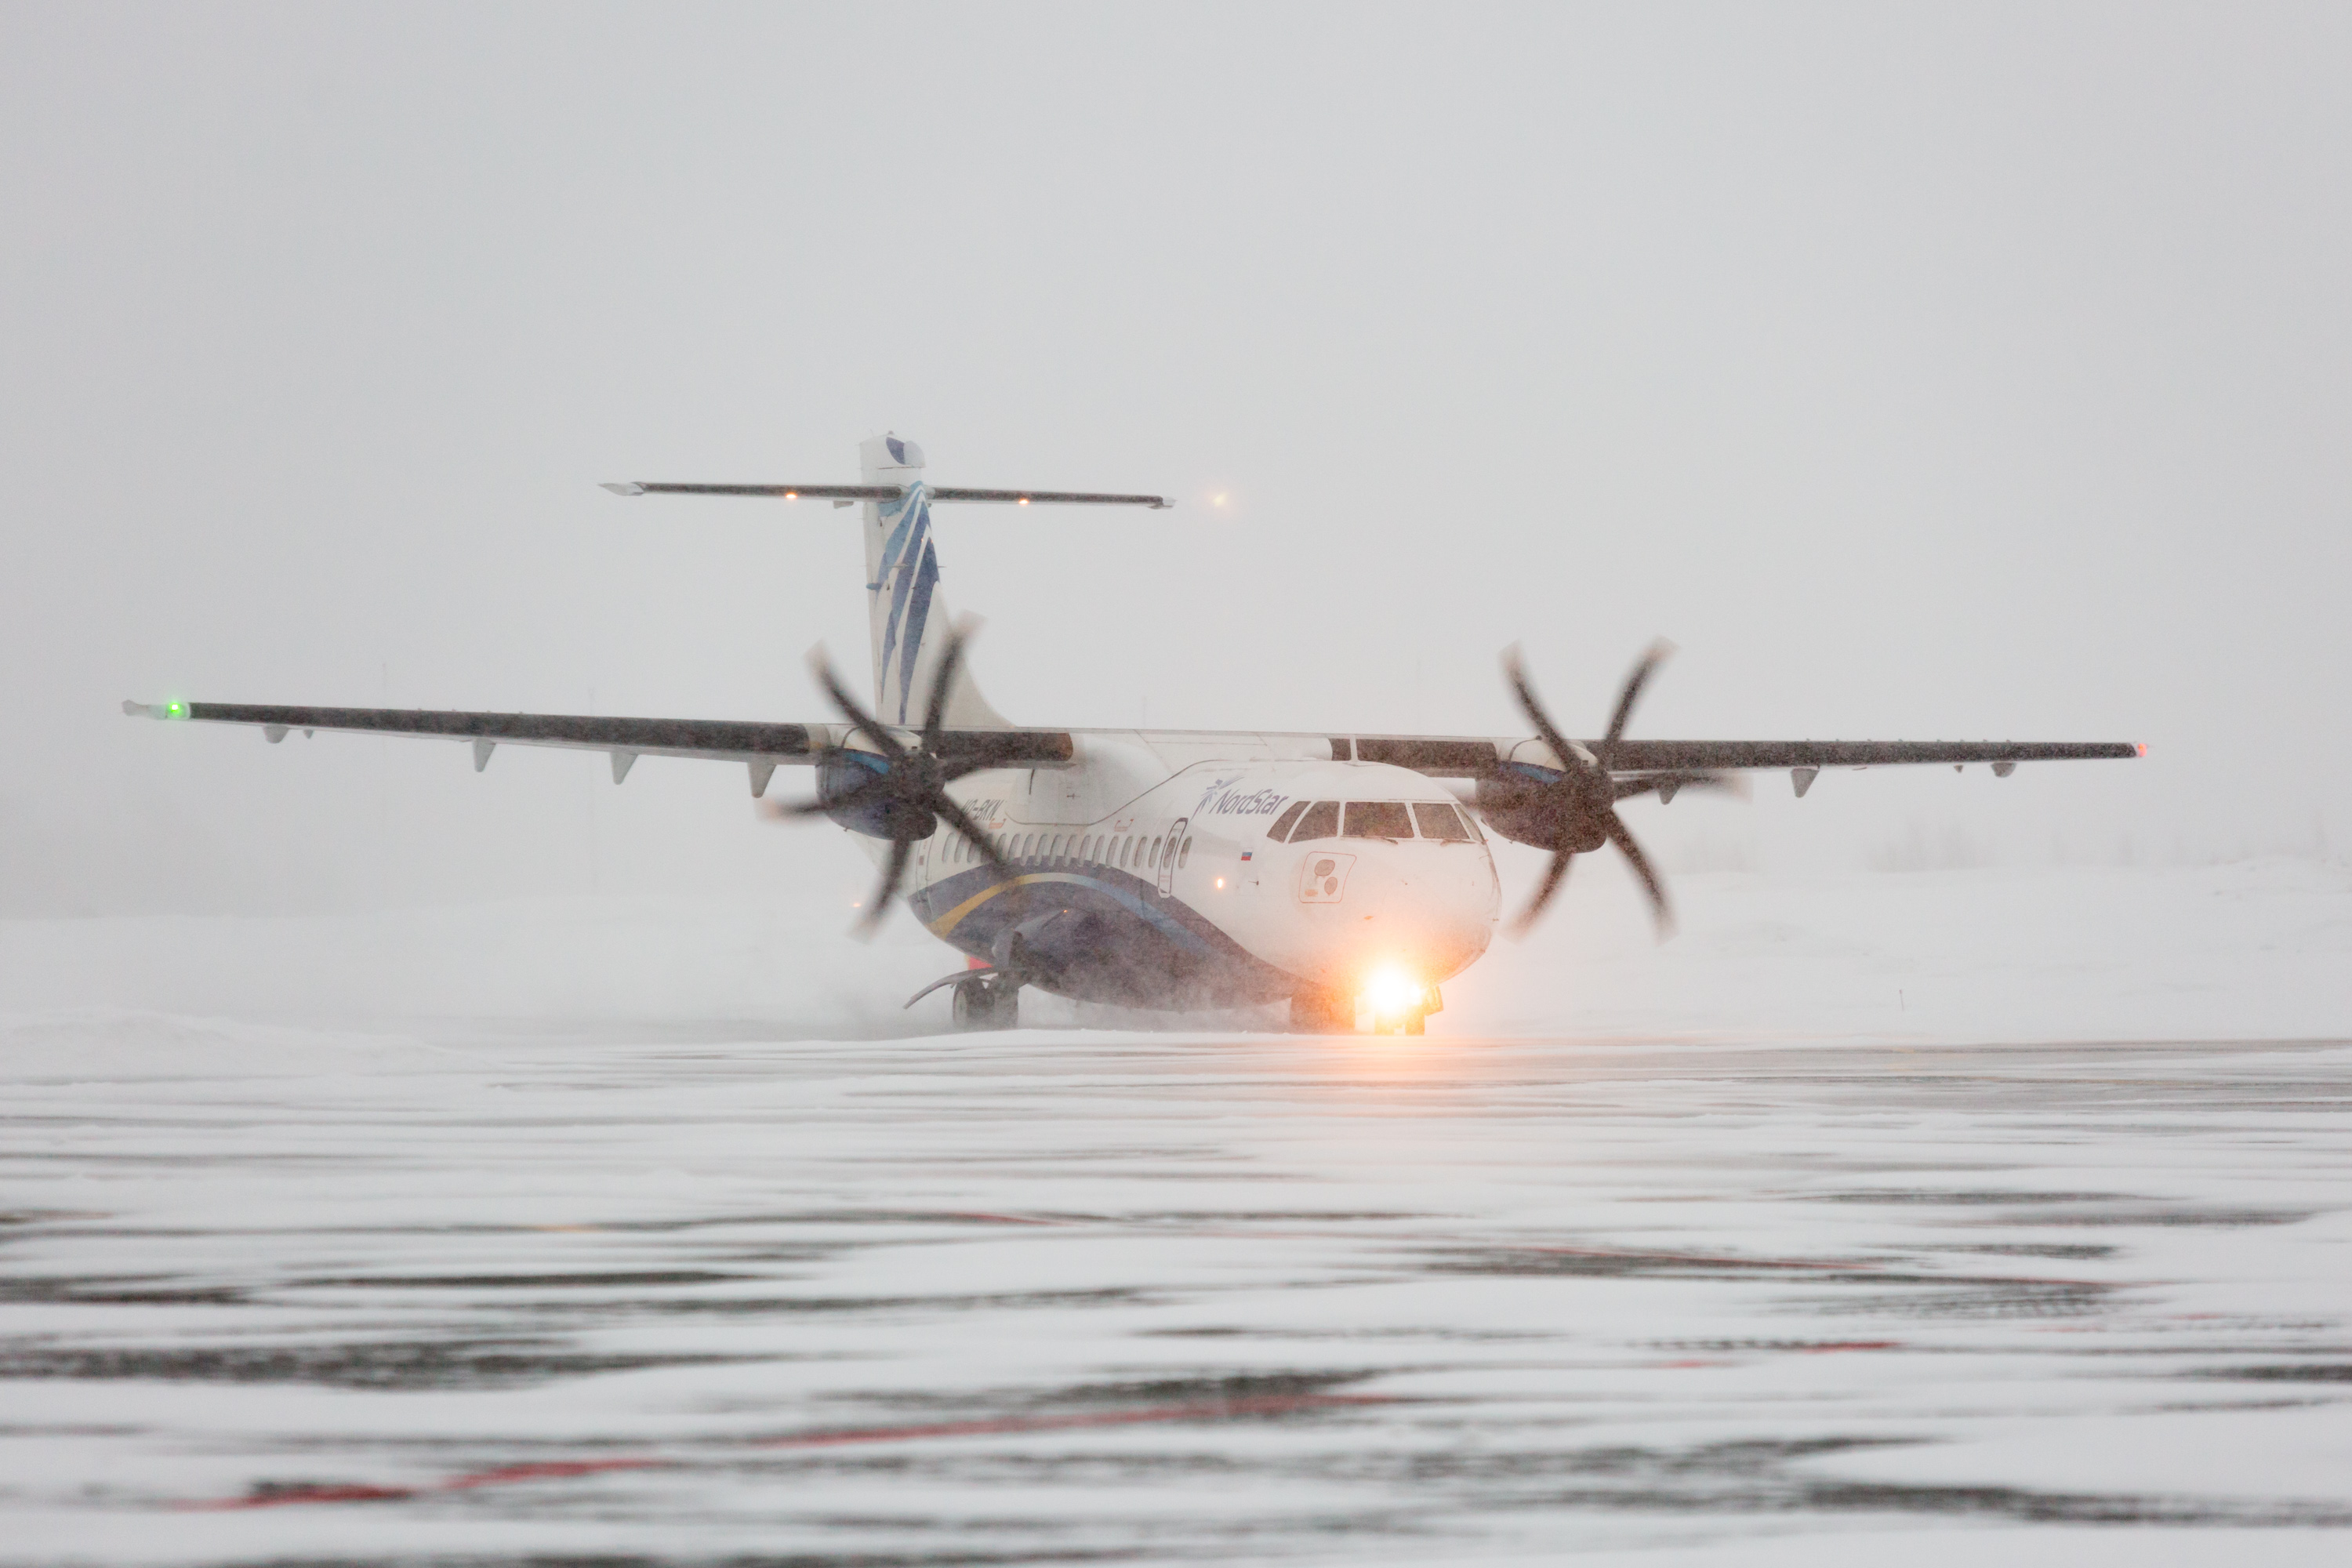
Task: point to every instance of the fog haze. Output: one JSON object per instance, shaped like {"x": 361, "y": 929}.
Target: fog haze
{"x": 1980, "y": 374}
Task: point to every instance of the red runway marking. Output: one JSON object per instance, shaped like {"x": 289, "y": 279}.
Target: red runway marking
{"x": 560, "y": 1470}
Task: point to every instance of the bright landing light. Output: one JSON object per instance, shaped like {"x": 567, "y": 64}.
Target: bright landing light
{"x": 1391, "y": 991}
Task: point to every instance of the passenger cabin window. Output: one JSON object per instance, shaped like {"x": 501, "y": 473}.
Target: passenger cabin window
{"x": 1185, "y": 858}
{"x": 1378, "y": 819}
{"x": 1321, "y": 821}
{"x": 1281, "y": 829}
{"x": 1155, "y": 852}
{"x": 1439, "y": 820}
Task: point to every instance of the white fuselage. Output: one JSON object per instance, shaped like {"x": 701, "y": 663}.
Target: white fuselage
{"x": 1144, "y": 873}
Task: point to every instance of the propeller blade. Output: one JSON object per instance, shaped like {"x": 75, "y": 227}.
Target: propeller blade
{"x": 902, "y": 851}
{"x": 1640, "y": 677}
{"x": 859, "y": 720}
{"x": 935, "y": 714}
{"x": 1659, "y": 906}
{"x": 1554, "y": 875}
{"x": 1533, "y": 711}
{"x": 878, "y": 785}
{"x": 956, "y": 818}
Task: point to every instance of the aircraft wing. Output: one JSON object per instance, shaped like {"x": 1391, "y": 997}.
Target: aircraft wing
{"x": 763, "y": 747}
{"x": 1448, "y": 757}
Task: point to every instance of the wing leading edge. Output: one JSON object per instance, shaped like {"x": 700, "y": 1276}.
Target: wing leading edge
{"x": 763, "y": 747}
{"x": 1449, "y": 757}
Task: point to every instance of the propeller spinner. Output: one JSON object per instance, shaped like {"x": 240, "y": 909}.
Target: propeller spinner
{"x": 905, "y": 798}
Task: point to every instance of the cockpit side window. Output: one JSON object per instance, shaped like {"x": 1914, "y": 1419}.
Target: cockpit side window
{"x": 1439, "y": 820}
{"x": 1281, "y": 829}
{"x": 1320, "y": 821}
{"x": 1378, "y": 819}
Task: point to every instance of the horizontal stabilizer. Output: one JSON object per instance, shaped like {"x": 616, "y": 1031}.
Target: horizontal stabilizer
{"x": 779, "y": 492}
{"x": 888, "y": 492}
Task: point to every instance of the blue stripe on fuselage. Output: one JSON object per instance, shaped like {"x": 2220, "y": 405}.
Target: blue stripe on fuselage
{"x": 1126, "y": 943}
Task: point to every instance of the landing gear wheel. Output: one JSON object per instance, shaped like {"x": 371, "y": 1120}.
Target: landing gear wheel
{"x": 1316, "y": 1012}
{"x": 981, "y": 1005}
{"x": 977, "y": 1006}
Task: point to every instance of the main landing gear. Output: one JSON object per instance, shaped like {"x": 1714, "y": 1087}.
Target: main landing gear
{"x": 1314, "y": 1011}
{"x": 986, "y": 1005}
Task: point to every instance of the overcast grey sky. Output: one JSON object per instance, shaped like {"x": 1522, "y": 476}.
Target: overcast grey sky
{"x": 1950, "y": 373}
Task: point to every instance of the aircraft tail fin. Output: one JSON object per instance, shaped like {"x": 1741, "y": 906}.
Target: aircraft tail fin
{"x": 909, "y": 617}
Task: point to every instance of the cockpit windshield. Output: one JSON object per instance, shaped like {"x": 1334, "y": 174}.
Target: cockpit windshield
{"x": 1371, "y": 820}
{"x": 1378, "y": 819}
{"x": 1321, "y": 821}
{"x": 1439, "y": 820}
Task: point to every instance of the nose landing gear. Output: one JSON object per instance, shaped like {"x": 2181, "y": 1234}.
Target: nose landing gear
{"x": 1318, "y": 1011}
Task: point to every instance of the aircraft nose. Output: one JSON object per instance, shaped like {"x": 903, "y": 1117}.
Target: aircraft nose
{"x": 1432, "y": 907}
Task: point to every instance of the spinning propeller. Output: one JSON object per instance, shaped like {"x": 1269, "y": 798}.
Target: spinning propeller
{"x": 907, "y": 797}
{"x": 1575, "y": 812}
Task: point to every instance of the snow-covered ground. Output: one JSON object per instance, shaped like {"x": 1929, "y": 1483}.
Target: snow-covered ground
{"x": 1946, "y": 1214}
{"x": 2253, "y": 949}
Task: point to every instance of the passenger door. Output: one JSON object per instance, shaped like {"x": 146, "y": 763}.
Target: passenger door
{"x": 1168, "y": 858}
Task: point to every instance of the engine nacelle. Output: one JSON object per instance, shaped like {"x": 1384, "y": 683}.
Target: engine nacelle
{"x": 1524, "y": 803}
{"x": 842, "y": 772}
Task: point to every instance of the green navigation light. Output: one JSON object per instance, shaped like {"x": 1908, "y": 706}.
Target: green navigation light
{"x": 175, "y": 709}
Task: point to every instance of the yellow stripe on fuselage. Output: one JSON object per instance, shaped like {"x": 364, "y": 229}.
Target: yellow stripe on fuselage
{"x": 954, "y": 917}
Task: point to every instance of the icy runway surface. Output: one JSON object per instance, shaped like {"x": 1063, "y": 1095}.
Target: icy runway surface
{"x": 655, "y": 1231}
{"x": 702, "y": 1294}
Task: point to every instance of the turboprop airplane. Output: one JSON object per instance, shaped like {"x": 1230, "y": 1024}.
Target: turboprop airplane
{"x": 1159, "y": 868}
